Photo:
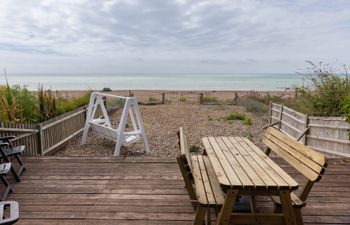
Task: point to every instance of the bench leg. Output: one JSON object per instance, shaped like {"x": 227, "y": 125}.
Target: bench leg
{"x": 15, "y": 174}
{"x": 227, "y": 208}
{"x": 287, "y": 207}
{"x": 298, "y": 216}
{"x": 200, "y": 214}
{"x": 22, "y": 168}
{"x": 8, "y": 188}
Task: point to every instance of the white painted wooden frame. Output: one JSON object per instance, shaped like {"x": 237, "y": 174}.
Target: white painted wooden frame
{"x": 102, "y": 125}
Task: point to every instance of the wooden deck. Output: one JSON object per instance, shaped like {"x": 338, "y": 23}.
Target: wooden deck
{"x": 146, "y": 191}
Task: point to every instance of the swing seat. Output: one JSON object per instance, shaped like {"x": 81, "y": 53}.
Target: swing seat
{"x": 102, "y": 129}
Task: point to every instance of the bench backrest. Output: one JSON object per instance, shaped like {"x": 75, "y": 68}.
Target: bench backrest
{"x": 185, "y": 165}
{"x": 307, "y": 161}
{"x": 184, "y": 148}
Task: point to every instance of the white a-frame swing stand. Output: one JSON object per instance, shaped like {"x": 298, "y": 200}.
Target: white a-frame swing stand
{"x": 102, "y": 125}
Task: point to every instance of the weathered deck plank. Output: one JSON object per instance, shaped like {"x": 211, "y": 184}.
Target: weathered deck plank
{"x": 134, "y": 191}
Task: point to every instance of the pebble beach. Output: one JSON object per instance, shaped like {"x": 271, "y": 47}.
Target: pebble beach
{"x": 161, "y": 123}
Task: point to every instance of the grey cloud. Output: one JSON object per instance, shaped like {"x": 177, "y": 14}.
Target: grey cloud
{"x": 230, "y": 34}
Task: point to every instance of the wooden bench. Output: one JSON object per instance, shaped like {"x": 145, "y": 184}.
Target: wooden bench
{"x": 200, "y": 181}
{"x": 304, "y": 159}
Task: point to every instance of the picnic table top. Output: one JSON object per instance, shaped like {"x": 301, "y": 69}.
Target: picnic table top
{"x": 240, "y": 164}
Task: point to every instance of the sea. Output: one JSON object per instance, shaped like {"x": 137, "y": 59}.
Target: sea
{"x": 161, "y": 81}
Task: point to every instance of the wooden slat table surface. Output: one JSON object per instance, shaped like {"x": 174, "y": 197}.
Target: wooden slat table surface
{"x": 239, "y": 164}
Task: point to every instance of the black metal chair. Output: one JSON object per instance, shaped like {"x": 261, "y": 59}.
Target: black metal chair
{"x": 4, "y": 169}
{"x": 13, "y": 215}
{"x": 8, "y": 150}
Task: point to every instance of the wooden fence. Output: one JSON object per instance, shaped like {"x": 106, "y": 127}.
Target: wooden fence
{"x": 44, "y": 138}
{"x": 326, "y": 134}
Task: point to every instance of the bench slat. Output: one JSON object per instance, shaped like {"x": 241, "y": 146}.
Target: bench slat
{"x": 301, "y": 148}
{"x": 296, "y": 154}
{"x": 206, "y": 181}
{"x": 198, "y": 182}
{"x": 306, "y": 171}
{"x": 215, "y": 185}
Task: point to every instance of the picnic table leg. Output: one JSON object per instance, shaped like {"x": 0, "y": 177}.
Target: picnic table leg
{"x": 227, "y": 208}
{"x": 287, "y": 207}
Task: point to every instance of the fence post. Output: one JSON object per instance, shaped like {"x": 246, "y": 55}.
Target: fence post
{"x": 131, "y": 94}
{"x": 270, "y": 113}
{"x": 306, "y": 126}
{"x": 235, "y": 98}
{"x": 41, "y": 139}
{"x": 267, "y": 97}
{"x": 163, "y": 98}
{"x": 201, "y": 98}
{"x": 280, "y": 117}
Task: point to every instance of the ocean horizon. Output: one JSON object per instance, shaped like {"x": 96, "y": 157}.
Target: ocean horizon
{"x": 158, "y": 81}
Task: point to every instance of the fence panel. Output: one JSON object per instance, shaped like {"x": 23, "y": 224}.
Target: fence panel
{"x": 43, "y": 138}
{"x": 327, "y": 134}
{"x": 55, "y": 132}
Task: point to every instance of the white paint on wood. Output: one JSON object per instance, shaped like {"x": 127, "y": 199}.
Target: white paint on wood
{"x": 102, "y": 125}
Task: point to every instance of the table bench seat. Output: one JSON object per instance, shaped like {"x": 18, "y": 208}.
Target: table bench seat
{"x": 207, "y": 187}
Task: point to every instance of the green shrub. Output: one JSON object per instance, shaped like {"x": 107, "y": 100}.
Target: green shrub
{"x": 17, "y": 104}
{"x": 152, "y": 99}
{"x": 326, "y": 91}
{"x": 66, "y": 105}
{"x": 247, "y": 121}
{"x": 195, "y": 148}
{"x": 182, "y": 99}
{"x": 47, "y": 104}
{"x": 346, "y": 109}
{"x": 209, "y": 99}
{"x": 106, "y": 89}
{"x": 235, "y": 116}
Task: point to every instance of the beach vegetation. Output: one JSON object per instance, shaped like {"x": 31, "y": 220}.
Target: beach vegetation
{"x": 209, "y": 99}
{"x": 239, "y": 116}
{"x": 65, "y": 105}
{"x": 16, "y": 103}
{"x": 153, "y": 99}
{"x": 195, "y": 148}
{"x": 247, "y": 121}
{"x": 234, "y": 116}
{"x": 106, "y": 89}
{"x": 19, "y": 105}
{"x": 325, "y": 93}
{"x": 182, "y": 99}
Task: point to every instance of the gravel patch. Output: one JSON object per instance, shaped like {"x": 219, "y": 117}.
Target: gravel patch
{"x": 161, "y": 124}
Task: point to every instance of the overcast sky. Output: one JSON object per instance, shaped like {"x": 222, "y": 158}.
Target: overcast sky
{"x": 173, "y": 36}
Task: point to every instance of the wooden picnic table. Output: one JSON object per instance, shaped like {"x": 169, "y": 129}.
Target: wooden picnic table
{"x": 243, "y": 169}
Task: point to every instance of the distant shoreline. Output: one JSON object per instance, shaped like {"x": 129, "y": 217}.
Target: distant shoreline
{"x": 143, "y": 94}
{"x": 156, "y": 82}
